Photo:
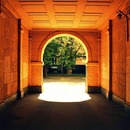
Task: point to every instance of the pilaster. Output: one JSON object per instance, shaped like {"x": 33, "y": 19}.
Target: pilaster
{"x": 36, "y": 76}
{"x": 92, "y": 77}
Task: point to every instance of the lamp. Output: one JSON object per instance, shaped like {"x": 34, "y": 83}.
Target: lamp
{"x": 119, "y": 15}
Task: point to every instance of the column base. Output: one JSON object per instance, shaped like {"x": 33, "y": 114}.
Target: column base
{"x": 35, "y": 89}
{"x": 93, "y": 89}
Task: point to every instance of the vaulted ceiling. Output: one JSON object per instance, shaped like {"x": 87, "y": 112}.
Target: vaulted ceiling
{"x": 83, "y": 14}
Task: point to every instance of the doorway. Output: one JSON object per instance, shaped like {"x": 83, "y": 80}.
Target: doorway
{"x": 65, "y": 85}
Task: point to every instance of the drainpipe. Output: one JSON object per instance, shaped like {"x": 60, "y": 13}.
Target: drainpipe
{"x": 110, "y": 60}
{"x": 18, "y": 67}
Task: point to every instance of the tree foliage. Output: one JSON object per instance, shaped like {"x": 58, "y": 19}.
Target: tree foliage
{"x": 63, "y": 51}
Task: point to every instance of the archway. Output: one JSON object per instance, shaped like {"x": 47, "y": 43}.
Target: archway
{"x": 72, "y": 36}
{"x": 92, "y": 71}
{"x": 64, "y": 54}
{"x": 65, "y": 34}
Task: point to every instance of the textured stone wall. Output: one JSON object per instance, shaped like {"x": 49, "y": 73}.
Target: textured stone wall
{"x": 119, "y": 57}
{"x": 105, "y": 59}
{"x": 39, "y": 39}
{"x": 25, "y": 57}
{"x": 9, "y": 55}
{"x": 10, "y": 41}
{"x": 118, "y": 83}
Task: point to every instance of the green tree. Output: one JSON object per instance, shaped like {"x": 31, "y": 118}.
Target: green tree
{"x": 64, "y": 51}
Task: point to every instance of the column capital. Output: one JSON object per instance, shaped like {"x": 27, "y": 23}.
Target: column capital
{"x": 92, "y": 64}
{"x": 36, "y": 63}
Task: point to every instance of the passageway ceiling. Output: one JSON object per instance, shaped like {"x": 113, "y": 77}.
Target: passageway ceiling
{"x": 64, "y": 14}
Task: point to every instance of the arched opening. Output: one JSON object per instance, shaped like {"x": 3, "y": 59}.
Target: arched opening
{"x": 83, "y": 61}
{"x": 78, "y": 85}
{"x": 64, "y": 34}
{"x": 64, "y": 55}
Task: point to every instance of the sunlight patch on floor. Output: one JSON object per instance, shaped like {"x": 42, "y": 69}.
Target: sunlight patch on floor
{"x": 64, "y": 92}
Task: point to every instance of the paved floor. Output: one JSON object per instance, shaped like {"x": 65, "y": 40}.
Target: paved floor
{"x": 33, "y": 113}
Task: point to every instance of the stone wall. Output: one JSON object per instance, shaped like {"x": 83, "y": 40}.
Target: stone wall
{"x": 39, "y": 39}
{"x": 90, "y": 40}
{"x": 114, "y": 78}
{"x": 9, "y": 70}
{"x": 25, "y": 57}
{"x": 9, "y": 42}
{"x": 105, "y": 59}
{"x": 119, "y": 58}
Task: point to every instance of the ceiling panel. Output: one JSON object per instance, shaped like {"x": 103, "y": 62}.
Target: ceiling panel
{"x": 39, "y": 17}
{"x": 96, "y": 9}
{"x": 42, "y": 23}
{"x": 34, "y": 7}
{"x": 37, "y": 13}
{"x": 65, "y": 13}
{"x": 64, "y": 17}
{"x": 63, "y": 23}
{"x": 65, "y": 0}
{"x": 90, "y": 17}
{"x": 31, "y": 0}
{"x": 99, "y": 1}
{"x": 64, "y": 8}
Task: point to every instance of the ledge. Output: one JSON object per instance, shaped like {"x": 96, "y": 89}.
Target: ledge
{"x": 36, "y": 63}
{"x": 92, "y": 64}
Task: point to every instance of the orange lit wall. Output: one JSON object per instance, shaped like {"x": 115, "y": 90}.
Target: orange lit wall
{"x": 25, "y": 58}
{"x": 119, "y": 58}
{"x": 9, "y": 56}
{"x": 105, "y": 59}
{"x": 90, "y": 40}
{"x": 118, "y": 64}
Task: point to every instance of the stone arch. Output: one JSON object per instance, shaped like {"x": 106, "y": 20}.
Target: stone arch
{"x": 92, "y": 71}
{"x": 55, "y": 34}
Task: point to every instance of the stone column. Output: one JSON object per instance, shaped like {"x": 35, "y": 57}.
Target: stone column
{"x": 21, "y": 63}
{"x": 92, "y": 77}
{"x": 29, "y": 74}
{"x": 36, "y": 77}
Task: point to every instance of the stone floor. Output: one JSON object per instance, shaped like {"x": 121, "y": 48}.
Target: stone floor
{"x": 92, "y": 113}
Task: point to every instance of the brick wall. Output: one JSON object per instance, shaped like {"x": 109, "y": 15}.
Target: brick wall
{"x": 10, "y": 43}
{"x": 119, "y": 57}
{"x": 9, "y": 55}
{"x": 39, "y": 39}
{"x": 118, "y": 84}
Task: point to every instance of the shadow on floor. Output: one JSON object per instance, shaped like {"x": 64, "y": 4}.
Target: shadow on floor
{"x": 31, "y": 113}
{"x": 34, "y": 113}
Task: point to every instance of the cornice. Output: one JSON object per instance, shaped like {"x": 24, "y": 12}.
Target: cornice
{"x": 15, "y": 13}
